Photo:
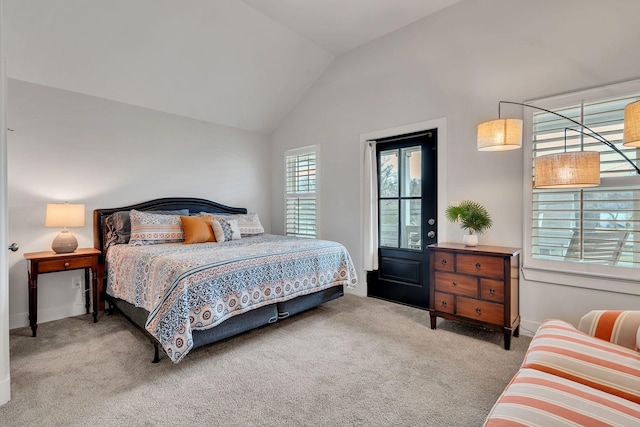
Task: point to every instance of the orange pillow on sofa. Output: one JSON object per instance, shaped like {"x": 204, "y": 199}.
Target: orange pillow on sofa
{"x": 197, "y": 229}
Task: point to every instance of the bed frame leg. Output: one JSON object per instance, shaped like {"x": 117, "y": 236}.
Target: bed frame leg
{"x": 156, "y": 355}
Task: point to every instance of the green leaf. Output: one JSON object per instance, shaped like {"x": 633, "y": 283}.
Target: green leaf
{"x": 471, "y": 215}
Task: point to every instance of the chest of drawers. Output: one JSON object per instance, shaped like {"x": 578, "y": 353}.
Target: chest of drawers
{"x": 476, "y": 285}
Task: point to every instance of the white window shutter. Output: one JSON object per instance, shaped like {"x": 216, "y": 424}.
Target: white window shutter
{"x": 301, "y": 198}
{"x": 599, "y": 225}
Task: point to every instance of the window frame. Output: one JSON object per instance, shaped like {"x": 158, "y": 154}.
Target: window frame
{"x": 620, "y": 279}
{"x": 297, "y": 152}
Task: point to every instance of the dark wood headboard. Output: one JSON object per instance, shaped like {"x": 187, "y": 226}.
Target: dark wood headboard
{"x": 169, "y": 203}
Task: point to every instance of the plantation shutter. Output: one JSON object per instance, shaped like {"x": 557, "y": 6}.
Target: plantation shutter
{"x": 599, "y": 225}
{"x": 301, "y": 200}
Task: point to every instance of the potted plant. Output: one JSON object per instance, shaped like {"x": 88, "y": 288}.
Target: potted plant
{"x": 473, "y": 218}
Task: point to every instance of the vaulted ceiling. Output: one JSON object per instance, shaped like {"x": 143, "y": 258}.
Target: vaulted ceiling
{"x": 240, "y": 63}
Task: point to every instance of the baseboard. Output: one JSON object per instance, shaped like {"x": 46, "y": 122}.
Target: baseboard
{"x": 5, "y": 390}
{"x": 22, "y": 319}
{"x": 360, "y": 291}
{"x": 528, "y": 329}
{"x": 18, "y": 320}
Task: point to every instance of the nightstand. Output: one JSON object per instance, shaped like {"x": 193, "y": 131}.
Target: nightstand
{"x": 51, "y": 262}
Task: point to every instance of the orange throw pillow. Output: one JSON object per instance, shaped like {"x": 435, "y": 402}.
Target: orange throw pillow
{"x": 197, "y": 229}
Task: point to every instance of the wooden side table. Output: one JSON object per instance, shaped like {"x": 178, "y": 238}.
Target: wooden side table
{"x": 51, "y": 262}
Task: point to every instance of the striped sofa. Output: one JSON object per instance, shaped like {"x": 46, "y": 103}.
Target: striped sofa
{"x": 589, "y": 376}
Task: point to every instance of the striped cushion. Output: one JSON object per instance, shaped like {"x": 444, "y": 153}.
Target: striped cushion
{"x": 617, "y": 326}
{"x": 559, "y": 348}
{"x": 541, "y": 399}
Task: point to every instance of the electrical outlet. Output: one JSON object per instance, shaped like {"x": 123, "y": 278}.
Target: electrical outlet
{"x": 76, "y": 282}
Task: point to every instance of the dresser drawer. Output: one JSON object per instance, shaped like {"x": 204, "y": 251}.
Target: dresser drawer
{"x": 456, "y": 284}
{"x": 480, "y": 310}
{"x": 443, "y": 302}
{"x": 480, "y": 265}
{"x": 61, "y": 265}
{"x": 443, "y": 261}
{"x": 492, "y": 290}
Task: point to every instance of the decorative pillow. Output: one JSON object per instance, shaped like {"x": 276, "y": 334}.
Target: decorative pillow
{"x": 151, "y": 228}
{"x": 118, "y": 225}
{"x": 223, "y": 230}
{"x": 616, "y": 326}
{"x": 248, "y": 224}
{"x": 197, "y": 229}
{"x": 218, "y": 232}
{"x": 226, "y": 229}
{"x": 235, "y": 231}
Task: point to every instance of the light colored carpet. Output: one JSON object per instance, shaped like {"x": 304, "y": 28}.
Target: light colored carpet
{"x": 353, "y": 361}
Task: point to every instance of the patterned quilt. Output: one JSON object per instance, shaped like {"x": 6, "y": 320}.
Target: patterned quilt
{"x": 192, "y": 287}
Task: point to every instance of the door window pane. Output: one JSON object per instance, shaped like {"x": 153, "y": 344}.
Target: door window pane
{"x": 389, "y": 223}
{"x": 411, "y": 220}
{"x": 389, "y": 173}
{"x": 411, "y": 171}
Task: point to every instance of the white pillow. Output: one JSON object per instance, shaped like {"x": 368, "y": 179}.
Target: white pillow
{"x": 234, "y": 228}
{"x": 248, "y": 224}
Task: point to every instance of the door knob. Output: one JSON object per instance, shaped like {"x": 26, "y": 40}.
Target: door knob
{"x": 14, "y": 247}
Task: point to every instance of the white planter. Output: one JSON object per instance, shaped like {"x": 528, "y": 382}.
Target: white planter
{"x": 470, "y": 239}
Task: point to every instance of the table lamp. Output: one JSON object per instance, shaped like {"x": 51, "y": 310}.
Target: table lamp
{"x": 64, "y": 215}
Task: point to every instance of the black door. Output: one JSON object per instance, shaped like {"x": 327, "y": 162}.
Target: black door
{"x": 407, "y": 213}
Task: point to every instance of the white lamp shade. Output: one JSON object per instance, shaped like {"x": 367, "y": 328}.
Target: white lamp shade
{"x": 631, "y": 135}
{"x": 576, "y": 169}
{"x": 64, "y": 215}
{"x": 499, "y": 135}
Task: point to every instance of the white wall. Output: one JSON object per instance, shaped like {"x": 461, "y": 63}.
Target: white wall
{"x": 458, "y": 64}
{"x": 82, "y": 149}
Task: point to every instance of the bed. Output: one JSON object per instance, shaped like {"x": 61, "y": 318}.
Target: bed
{"x": 184, "y": 296}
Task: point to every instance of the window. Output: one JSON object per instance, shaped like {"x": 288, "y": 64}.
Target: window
{"x": 599, "y": 226}
{"x": 301, "y": 192}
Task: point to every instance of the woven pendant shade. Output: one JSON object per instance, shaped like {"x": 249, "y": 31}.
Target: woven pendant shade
{"x": 576, "y": 169}
{"x": 631, "y": 136}
{"x": 500, "y": 135}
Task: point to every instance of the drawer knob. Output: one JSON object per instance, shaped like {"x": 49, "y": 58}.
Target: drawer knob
{"x": 478, "y": 311}
{"x": 454, "y": 283}
{"x": 444, "y": 303}
{"x": 478, "y": 266}
{"x": 492, "y": 291}
{"x": 444, "y": 262}
{"x": 66, "y": 264}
